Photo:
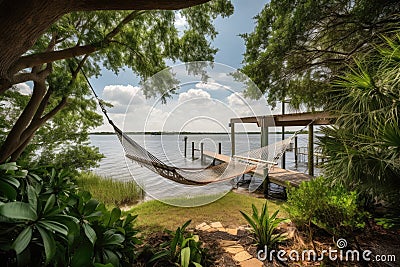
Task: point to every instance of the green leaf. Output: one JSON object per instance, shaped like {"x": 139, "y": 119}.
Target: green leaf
{"x": 83, "y": 255}
{"x": 10, "y": 166}
{"x": 111, "y": 238}
{"x": 18, "y": 210}
{"x": 111, "y": 257}
{"x": 103, "y": 265}
{"x": 159, "y": 255}
{"x": 49, "y": 203}
{"x": 23, "y": 240}
{"x": 185, "y": 257}
{"x": 11, "y": 180}
{"x": 54, "y": 226}
{"x": 90, "y": 233}
{"x": 32, "y": 197}
{"x": 115, "y": 215}
{"x": 48, "y": 242}
{"x": 186, "y": 224}
{"x": 8, "y": 190}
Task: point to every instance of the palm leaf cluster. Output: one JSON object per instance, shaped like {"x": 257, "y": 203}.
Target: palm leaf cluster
{"x": 363, "y": 147}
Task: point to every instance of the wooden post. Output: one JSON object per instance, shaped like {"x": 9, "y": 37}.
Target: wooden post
{"x": 283, "y": 164}
{"x": 220, "y": 148}
{"x": 264, "y": 132}
{"x": 264, "y": 142}
{"x": 311, "y": 150}
{"x": 296, "y": 159}
{"x": 202, "y": 152}
{"x": 192, "y": 150}
{"x": 232, "y": 125}
{"x": 185, "y": 151}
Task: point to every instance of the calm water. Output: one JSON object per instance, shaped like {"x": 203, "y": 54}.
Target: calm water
{"x": 169, "y": 148}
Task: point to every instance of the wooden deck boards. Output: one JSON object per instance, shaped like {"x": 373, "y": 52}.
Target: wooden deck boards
{"x": 276, "y": 175}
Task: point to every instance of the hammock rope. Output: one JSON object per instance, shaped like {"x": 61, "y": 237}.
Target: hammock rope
{"x": 264, "y": 157}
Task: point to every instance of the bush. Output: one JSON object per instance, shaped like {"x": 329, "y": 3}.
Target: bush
{"x": 264, "y": 226}
{"x": 332, "y": 208}
{"x": 45, "y": 221}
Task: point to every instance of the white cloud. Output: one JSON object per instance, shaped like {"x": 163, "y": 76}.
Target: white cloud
{"x": 23, "y": 88}
{"x": 192, "y": 94}
{"x": 211, "y": 86}
{"x": 180, "y": 21}
{"x": 123, "y": 94}
{"x": 192, "y": 110}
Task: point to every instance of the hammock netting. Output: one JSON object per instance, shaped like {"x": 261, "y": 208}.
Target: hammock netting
{"x": 263, "y": 157}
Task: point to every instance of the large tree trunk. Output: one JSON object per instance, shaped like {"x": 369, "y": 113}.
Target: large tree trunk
{"x": 22, "y": 22}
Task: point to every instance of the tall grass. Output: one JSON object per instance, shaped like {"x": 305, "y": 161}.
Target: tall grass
{"x": 109, "y": 191}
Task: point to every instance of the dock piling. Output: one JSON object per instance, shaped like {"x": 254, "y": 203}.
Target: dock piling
{"x": 232, "y": 125}
{"x": 192, "y": 150}
{"x": 219, "y": 148}
{"x": 311, "y": 150}
{"x": 295, "y": 151}
{"x": 202, "y": 152}
{"x": 185, "y": 149}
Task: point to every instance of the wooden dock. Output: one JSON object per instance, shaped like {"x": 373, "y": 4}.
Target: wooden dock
{"x": 276, "y": 175}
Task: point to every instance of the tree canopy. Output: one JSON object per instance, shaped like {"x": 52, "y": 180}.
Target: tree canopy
{"x": 298, "y": 47}
{"x": 87, "y": 41}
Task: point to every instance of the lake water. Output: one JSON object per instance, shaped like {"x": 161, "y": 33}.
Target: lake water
{"x": 169, "y": 148}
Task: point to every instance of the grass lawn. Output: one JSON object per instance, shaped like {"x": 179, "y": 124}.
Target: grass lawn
{"x": 155, "y": 215}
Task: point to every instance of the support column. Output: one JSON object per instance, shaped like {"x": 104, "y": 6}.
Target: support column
{"x": 264, "y": 132}
{"x": 232, "y": 125}
{"x": 296, "y": 156}
{"x": 202, "y": 152}
{"x": 283, "y": 164}
{"x": 311, "y": 150}
{"x": 185, "y": 151}
{"x": 192, "y": 150}
{"x": 264, "y": 142}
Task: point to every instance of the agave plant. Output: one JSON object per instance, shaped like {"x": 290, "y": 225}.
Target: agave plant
{"x": 264, "y": 226}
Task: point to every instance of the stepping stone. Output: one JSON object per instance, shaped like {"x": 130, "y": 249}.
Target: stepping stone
{"x": 201, "y": 225}
{"x": 234, "y": 249}
{"x": 216, "y": 225}
{"x": 231, "y": 231}
{"x": 227, "y": 243}
{"x": 205, "y": 228}
{"x": 211, "y": 229}
{"x": 242, "y": 256}
{"x": 253, "y": 262}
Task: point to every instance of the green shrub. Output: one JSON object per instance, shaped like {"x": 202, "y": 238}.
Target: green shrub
{"x": 264, "y": 226}
{"x": 45, "y": 221}
{"x": 109, "y": 191}
{"x": 332, "y": 208}
{"x": 183, "y": 250}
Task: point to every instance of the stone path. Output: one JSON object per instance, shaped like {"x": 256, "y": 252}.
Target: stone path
{"x": 236, "y": 250}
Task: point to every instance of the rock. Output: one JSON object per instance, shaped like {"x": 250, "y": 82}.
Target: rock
{"x": 216, "y": 225}
{"x": 242, "y": 256}
{"x": 253, "y": 262}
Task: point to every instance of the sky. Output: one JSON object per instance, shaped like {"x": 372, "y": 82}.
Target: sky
{"x": 196, "y": 106}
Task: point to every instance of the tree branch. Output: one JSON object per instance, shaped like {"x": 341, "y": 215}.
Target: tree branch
{"x": 90, "y": 5}
{"x": 21, "y": 16}
{"x": 50, "y": 56}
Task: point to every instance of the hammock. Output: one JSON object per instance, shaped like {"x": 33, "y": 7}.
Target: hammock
{"x": 264, "y": 157}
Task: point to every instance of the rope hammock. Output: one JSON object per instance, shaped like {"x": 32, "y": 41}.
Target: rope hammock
{"x": 264, "y": 157}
